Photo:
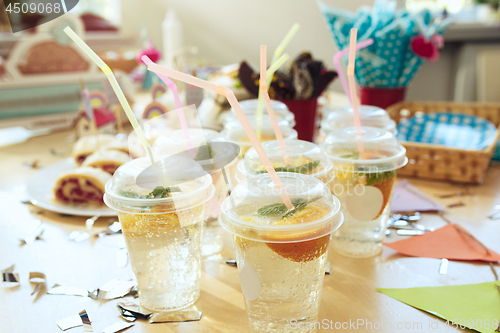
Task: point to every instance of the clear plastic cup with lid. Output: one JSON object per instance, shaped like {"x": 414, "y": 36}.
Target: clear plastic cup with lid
{"x": 174, "y": 142}
{"x": 161, "y": 208}
{"x": 363, "y": 185}
{"x": 301, "y": 157}
{"x": 343, "y": 117}
{"x": 249, "y": 107}
{"x": 234, "y": 132}
{"x": 281, "y": 254}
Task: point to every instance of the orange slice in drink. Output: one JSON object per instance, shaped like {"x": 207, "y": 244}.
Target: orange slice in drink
{"x": 306, "y": 250}
{"x": 386, "y": 186}
{"x": 153, "y": 224}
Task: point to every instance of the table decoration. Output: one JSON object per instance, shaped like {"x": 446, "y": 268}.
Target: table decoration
{"x": 474, "y": 306}
{"x": 451, "y": 241}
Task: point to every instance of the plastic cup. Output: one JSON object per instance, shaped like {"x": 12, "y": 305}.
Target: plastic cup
{"x": 163, "y": 235}
{"x": 363, "y": 186}
{"x": 343, "y": 117}
{"x": 234, "y": 132}
{"x": 303, "y": 157}
{"x": 281, "y": 255}
{"x": 249, "y": 107}
{"x": 174, "y": 142}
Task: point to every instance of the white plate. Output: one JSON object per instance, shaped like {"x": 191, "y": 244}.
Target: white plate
{"x": 39, "y": 189}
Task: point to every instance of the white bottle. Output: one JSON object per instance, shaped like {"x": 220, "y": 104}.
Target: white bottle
{"x": 172, "y": 38}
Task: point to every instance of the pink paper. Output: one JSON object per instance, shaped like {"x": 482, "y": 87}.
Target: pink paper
{"x": 407, "y": 197}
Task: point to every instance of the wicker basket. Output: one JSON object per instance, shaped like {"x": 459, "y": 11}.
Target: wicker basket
{"x": 438, "y": 162}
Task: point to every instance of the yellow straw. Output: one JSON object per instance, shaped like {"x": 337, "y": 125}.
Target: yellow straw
{"x": 270, "y": 73}
{"x": 116, "y": 87}
{"x": 277, "y": 60}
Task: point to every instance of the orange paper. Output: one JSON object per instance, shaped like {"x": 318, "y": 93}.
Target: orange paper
{"x": 446, "y": 242}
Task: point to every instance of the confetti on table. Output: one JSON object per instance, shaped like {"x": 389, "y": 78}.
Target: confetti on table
{"x": 117, "y": 327}
{"x": 9, "y": 278}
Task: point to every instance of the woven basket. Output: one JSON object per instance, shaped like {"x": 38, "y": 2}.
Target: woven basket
{"x": 444, "y": 163}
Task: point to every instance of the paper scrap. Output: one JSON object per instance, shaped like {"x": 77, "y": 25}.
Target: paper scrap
{"x": 470, "y": 305}
{"x": 446, "y": 242}
{"x": 117, "y": 327}
{"x": 70, "y": 322}
{"x": 175, "y": 316}
{"x": 407, "y": 197}
{"x": 9, "y": 278}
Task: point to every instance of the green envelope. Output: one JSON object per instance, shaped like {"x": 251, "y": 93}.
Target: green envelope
{"x": 475, "y": 306}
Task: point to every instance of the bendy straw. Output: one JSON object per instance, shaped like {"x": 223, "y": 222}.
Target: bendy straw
{"x": 267, "y": 100}
{"x": 229, "y": 94}
{"x": 338, "y": 67}
{"x": 178, "y": 104}
{"x": 270, "y": 73}
{"x": 352, "y": 89}
{"x": 116, "y": 87}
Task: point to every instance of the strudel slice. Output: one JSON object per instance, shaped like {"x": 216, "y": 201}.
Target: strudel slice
{"x": 106, "y": 160}
{"x": 84, "y": 186}
{"x": 87, "y": 145}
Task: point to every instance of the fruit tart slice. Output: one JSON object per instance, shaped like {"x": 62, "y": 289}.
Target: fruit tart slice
{"x": 82, "y": 186}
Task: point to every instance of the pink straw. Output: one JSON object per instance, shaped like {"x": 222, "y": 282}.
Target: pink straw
{"x": 352, "y": 88}
{"x": 178, "y": 104}
{"x": 231, "y": 98}
{"x": 267, "y": 101}
{"x": 338, "y": 67}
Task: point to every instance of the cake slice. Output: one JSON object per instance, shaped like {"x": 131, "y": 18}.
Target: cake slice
{"x": 106, "y": 160}
{"x": 82, "y": 186}
{"x": 87, "y": 145}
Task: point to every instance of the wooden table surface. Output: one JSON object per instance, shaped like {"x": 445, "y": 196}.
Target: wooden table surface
{"x": 348, "y": 295}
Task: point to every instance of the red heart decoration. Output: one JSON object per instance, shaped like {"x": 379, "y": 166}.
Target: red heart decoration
{"x": 427, "y": 48}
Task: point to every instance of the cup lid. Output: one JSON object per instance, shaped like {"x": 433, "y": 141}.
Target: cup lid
{"x": 382, "y": 149}
{"x": 174, "y": 141}
{"x": 235, "y": 133}
{"x": 304, "y": 157}
{"x": 173, "y": 183}
{"x": 252, "y": 119}
{"x": 255, "y": 210}
{"x": 249, "y": 107}
{"x": 370, "y": 116}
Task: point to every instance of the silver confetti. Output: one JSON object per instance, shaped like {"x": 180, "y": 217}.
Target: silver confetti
{"x": 78, "y": 236}
{"x": 129, "y": 319}
{"x": 9, "y": 278}
{"x": 328, "y": 268}
{"x": 87, "y": 324}
{"x": 495, "y": 216}
{"x": 37, "y": 280}
{"x": 36, "y": 234}
{"x": 90, "y": 222}
{"x": 175, "y": 317}
{"x": 113, "y": 289}
{"x": 117, "y": 327}
{"x": 403, "y": 232}
{"x": 443, "y": 267}
{"x": 229, "y": 261}
{"x": 70, "y": 322}
{"x": 113, "y": 229}
{"x": 70, "y": 291}
{"x": 131, "y": 309}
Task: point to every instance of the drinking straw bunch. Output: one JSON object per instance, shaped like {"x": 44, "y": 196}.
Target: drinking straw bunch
{"x": 402, "y": 41}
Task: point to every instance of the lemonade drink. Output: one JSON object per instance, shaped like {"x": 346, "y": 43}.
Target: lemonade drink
{"x": 281, "y": 254}
{"x": 364, "y": 187}
{"x": 162, "y": 228}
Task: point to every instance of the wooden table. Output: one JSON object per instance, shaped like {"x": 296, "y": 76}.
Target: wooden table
{"x": 349, "y": 292}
